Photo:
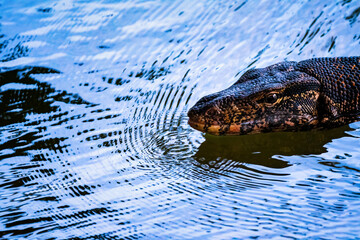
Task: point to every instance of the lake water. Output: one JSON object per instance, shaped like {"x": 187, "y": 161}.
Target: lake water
{"x": 94, "y": 140}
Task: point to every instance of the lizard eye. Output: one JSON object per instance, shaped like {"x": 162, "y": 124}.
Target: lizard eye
{"x": 271, "y": 98}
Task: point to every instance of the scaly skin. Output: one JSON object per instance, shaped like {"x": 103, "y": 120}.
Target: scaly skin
{"x": 287, "y": 96}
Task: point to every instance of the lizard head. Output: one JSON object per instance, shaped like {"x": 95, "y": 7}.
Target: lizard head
{"x": 275, "y": 98}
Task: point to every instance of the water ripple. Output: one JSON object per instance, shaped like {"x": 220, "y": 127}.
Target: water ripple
{"x": 94, "y": 140}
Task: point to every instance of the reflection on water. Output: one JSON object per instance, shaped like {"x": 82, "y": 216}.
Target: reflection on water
{"x": 94, "y": 140}
{"x": 259, "y": 149}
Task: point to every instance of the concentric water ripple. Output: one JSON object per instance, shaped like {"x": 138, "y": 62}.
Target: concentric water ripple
{"x": 94, "y": 140}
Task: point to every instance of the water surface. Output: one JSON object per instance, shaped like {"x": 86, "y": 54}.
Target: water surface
{"x": 94, "y": 140}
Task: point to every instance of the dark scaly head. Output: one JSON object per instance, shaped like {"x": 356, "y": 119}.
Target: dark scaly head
{"x": 275, "y": 98}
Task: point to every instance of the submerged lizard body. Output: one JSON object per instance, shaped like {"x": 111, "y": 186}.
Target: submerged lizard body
{"x": 287, "y": 96}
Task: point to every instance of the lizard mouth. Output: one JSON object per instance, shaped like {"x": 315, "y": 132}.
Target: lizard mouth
{"x": 280, "y": 122}
{"x": 213, "y": 129}
{"x": 249, "y": 127}
{"x": 197, "y": 125}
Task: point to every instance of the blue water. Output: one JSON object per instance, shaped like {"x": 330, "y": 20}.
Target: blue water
{"x": 94, "y": 140}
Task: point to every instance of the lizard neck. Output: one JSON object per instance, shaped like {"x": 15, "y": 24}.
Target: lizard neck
{"x": 339, "y": 100}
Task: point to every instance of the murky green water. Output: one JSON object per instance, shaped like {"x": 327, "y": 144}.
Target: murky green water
{"x": 94, "y": 140}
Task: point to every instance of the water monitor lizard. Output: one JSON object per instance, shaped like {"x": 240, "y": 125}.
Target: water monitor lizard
{"x": 287, "y": 96}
